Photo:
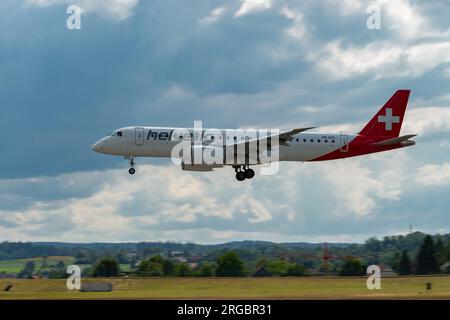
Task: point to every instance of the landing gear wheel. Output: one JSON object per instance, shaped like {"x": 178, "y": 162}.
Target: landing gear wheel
{"x": 131, "y": 160}
{"x": 249, "y": 173}
{"x": 240, "y": 176}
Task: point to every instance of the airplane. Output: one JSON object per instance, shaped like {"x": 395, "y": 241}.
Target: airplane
{"x": 380, "y": 134}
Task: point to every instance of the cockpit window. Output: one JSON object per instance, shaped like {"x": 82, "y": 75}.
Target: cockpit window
{"x": 115, "y": 134}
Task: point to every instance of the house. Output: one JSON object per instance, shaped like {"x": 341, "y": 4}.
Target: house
{"x": 261, "y": 272}
{"x": 388, "y": 271}
{"x": 446, "y": 267}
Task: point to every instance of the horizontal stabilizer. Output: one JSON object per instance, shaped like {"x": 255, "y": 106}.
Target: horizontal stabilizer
{"x": 389, "y": 142}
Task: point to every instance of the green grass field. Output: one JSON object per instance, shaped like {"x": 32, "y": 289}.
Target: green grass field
{"x": 235, "y": 288}
{"x": 14, "y": 266}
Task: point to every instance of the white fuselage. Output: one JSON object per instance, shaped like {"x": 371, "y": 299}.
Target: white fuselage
{"x": 159, "y": 142}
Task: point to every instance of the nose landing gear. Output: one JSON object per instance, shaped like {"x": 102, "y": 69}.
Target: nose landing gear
{"x": 243, "y": 172}
{"x": 131, "y": 160}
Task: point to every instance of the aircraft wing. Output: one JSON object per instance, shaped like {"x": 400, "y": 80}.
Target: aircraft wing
{"x": 288, "y": 136}
{"x": 283, "y": 138}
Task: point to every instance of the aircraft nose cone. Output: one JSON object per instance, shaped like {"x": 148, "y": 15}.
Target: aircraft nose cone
{"x": 97, "y": 147}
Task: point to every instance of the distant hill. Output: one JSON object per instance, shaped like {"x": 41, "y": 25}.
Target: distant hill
{"x": 178, "y": 246}
{"x": 373, "y": 250}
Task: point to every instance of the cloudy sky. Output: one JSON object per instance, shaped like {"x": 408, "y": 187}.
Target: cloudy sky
{"x": 234, "y": 63}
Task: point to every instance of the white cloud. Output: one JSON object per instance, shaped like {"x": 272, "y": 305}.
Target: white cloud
{"x": 405, "y": 18}
{"x": 353, "y": 5}
{"x": 298, "y": 28}
{"x": 116, "y": 9}
{"x": 415, "y": 45}
{"x": 447, "y": 72}
{"x": 434, "y": 174}
{"x": 427, "y": 120}
{"x": 249, "y": 6}
{"x": 358, "y": 189}
{"x": 213, "y": 16}
{"x": 161, "y": 202}
{"x": 261, "y": 214}
{"x": 379, "y": 59}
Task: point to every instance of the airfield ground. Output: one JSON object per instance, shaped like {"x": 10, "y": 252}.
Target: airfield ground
{"x": 235, "y": 288}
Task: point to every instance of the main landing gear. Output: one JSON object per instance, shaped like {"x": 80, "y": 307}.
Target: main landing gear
{"x": 131, "y": 170}
{"x": 243, "y": 172}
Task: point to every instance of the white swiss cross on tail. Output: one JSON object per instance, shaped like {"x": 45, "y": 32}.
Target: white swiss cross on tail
{"x": 388, "y": 119}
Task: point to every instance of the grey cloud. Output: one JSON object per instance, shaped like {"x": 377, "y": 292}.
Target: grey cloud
{"x": 63, "y": 90}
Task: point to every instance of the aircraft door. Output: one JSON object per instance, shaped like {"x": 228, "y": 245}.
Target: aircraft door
{"x": 344, "y": 143}
{"x": 139, "y": 136}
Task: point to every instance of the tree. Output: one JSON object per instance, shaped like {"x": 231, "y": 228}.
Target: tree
{"x": 447, "y": 250}
{"x": 59, "y": 271}
{"x": 426, "y": 258}
{"x": 107, "y": 267}
{"x": 404, "y": 267}
{"x": 60, "y": 265}
{"x": 168, "y": 267}
{"x": 441, "y": 252}
{"x": 183, "y": 270}
{"x": 395, "y": 262}
{"x": 44, "y": 263}
{"x": 230, "y": 265}
{"x": 277, "y": 267}
{"x": 352, "y": 267}
{"x": 296, "y": 270}
{"x": 122, "y": 256}
{"x": 206, "y": 270}
{"x": 82, "y": 257}
{"x": 153, "y": 267}
{"x": 373, "y": 244}
{"x": 27, "y": 271}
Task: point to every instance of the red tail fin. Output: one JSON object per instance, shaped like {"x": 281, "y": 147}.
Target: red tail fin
{"x": 388, "y": 120}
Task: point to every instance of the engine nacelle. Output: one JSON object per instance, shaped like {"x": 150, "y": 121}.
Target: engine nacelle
{"x": 198, "y": 167}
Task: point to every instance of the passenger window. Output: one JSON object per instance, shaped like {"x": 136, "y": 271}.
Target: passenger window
{"x": 318, "y": 140}
{"x": 304, "y": 140}
{"x": 332, "y": 141}
{"x": 297, "y": 140}
{"x": 326, "y": 141}
{"x": 312, "y": 140}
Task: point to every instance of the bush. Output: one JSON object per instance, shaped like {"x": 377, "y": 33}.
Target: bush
{"x": 352, "y": 268}
{"x": 107, "y": 267}
{"x": 230, "y": 265}
{"x": 206, "y": 270}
